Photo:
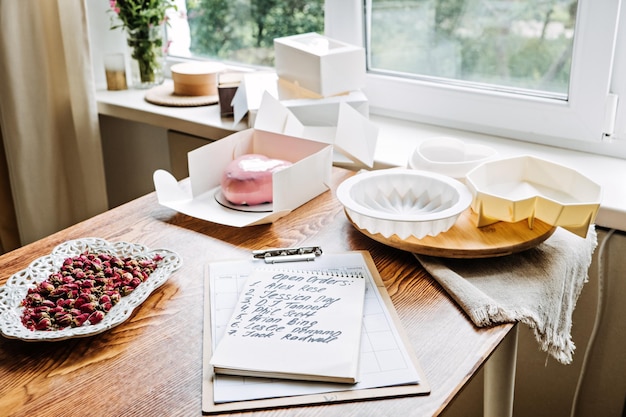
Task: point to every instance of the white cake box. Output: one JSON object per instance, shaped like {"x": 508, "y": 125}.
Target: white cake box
{"x": 292, "y": 186}
{"x": 320, "y": 64}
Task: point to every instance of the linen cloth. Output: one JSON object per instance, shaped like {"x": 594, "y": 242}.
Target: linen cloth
{"x": 538, "y": 287}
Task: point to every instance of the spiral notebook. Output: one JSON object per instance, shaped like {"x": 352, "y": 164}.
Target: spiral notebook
{"x": 387, "y": 366}
{"x": 295, "y": 324}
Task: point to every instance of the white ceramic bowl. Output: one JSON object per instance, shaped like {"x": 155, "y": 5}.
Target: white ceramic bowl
{"x": 526, "y": 187}
{"x": 449, "y": 156}
{"x": 404, "y": 202}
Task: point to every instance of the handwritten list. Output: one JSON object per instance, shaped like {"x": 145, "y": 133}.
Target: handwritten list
{"x": 296, "y": 325}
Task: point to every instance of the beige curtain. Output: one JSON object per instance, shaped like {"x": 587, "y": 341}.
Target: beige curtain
{"x": 48, "y": 116}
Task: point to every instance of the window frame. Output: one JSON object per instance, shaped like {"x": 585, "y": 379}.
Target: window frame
{"x": 576, "y": 123}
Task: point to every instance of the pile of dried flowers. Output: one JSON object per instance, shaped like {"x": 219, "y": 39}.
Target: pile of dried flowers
{"x": 84, "y": 289}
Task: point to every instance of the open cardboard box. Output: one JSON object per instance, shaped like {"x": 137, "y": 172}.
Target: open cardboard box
{"x": 254, "y": 86}
{"x": 353, "y": 136}
{"x": 292, "y": 186}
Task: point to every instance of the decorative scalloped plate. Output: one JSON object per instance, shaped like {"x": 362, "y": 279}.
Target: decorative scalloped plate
{"x": 12, "y": 294}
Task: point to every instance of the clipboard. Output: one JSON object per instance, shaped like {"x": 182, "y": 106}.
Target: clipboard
{"x": 343, "y": 394}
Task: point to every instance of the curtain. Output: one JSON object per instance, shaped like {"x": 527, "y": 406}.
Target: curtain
{"x": 9, "y": 236}
{"x": 48, "y": 116}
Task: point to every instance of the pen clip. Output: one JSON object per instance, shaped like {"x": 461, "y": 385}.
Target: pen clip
{"x": 278, "y": 255}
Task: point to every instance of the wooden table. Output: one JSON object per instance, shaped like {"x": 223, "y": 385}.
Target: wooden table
{"x": 151, "y": 365}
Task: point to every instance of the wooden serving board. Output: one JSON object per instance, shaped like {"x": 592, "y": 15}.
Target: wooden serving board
{"x": 465, "y": 240}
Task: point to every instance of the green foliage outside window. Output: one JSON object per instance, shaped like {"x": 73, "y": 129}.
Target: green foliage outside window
{"x": 244, "y": 30}
{"x": 501, "y": 42}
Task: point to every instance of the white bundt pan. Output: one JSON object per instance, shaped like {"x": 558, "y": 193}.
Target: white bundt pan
{"x": 404, "y": 202}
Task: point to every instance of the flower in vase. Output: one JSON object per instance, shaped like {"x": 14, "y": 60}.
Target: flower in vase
{"x": 136, "y": 14}
{"x": 143, "y": 21}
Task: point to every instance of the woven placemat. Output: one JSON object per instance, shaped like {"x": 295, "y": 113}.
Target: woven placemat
{"x": 163, "y": 95}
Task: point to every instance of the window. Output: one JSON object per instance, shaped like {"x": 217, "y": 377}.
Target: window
{"x": 570, "y": 115}
{"x": 569, "y": 103}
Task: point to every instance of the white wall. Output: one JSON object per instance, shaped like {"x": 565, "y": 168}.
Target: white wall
{"x": 102, "y": 40}
{"x": 133, "y": 151}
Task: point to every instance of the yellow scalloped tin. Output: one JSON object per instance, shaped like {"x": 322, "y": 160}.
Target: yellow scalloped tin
{"x": 527, "y": 187}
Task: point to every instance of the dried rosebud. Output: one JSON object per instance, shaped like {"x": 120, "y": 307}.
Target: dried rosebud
{"x": 65, "y": 303}
{"x": 33, "y": 299}
{"x": 80, "y": 301}
{"x": 68, "y": 279}
{"x": 43, "y": 324}
{"x": 88, "y": 283}
{"x": 80, "y": 319}
{"x": 46, "y": 287}
{"x": 41, "y": 309}
{"x": 75, "y": 312}
{"x": 96, "y": 317}
{"x": 56, "y": 310}
{"x": 127, "y": 277}
{"x": 88, "y": 307}
{"x": 125, "y": 290}
{"x": 58, "y": 292}
{"x": 63, "y": 320}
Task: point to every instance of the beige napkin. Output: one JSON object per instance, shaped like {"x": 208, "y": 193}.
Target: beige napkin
{"x": 538, "y": 287}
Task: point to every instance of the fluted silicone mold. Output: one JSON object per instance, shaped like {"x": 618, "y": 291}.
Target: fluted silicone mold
{"x": 403, "y": 202}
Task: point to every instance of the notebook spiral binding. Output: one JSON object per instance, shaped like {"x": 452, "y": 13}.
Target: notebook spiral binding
{"x": 335, "y": 273}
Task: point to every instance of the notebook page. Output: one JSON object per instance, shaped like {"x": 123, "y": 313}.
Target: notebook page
{"x": 295, "y": 324}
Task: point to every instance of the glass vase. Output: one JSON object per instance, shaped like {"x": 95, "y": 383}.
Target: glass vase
{"x": 147, "y": 57}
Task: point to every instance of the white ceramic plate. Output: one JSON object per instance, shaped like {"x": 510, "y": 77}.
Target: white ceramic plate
{"x": 12, "y": 294}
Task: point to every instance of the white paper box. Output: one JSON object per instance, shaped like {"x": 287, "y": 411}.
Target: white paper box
{"x": 320, "y": 64}
{"x": 352, "y": 135}
{"x": 293, "y": 186}
{"x": 310, "y": 108}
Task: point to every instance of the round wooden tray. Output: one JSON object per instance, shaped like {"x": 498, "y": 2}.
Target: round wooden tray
{"x": 163, "y": 95}
{"x": 465, "y": 240}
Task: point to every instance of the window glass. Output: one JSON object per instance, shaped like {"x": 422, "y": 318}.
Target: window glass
{"x": 523, "y": 46}
{"x": 243, "y": 31}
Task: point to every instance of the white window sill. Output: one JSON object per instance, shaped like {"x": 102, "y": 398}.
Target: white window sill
{"x": 397, "y": 140}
